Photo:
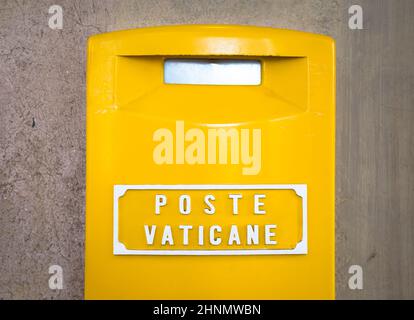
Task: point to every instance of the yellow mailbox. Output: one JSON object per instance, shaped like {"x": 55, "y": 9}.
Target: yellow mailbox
{"x": 210, "y": 164}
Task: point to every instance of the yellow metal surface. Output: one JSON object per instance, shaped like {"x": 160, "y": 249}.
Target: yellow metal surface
{"x": 280, "y": 132}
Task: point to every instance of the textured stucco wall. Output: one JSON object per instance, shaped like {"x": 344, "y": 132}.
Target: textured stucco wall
{"x": 42, "y": 131}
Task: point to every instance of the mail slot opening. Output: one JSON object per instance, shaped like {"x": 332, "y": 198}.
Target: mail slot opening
{"x": 212, "y": 72}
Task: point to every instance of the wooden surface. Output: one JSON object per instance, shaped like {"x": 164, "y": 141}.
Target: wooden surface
{"x": 375, "y": 151}
{"x": 42, "y": 131}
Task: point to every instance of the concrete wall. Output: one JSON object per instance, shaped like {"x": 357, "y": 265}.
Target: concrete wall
{"x": 42, "y": 131}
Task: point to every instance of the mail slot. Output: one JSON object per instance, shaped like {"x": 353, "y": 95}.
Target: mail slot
{"x": 210, "y": 164}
